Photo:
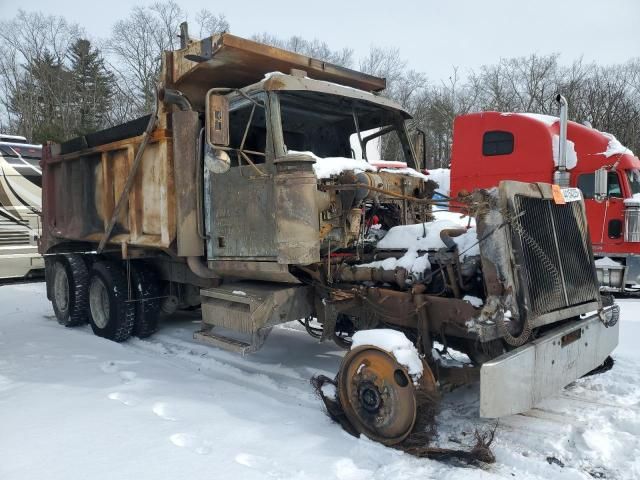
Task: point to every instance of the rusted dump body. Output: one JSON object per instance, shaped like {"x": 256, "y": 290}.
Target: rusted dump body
{"x": 81, "y": 190}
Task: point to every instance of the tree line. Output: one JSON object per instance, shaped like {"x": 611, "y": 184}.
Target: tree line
{"x": 55, "y": 83}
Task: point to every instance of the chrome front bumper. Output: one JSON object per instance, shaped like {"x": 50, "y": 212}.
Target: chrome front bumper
{"x": 518, "y": 380}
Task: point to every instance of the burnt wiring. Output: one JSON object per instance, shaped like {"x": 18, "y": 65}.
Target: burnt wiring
{"x": 315, "y": 332}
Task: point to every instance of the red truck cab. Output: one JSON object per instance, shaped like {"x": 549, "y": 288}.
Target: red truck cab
{"x": 491, "y": 146}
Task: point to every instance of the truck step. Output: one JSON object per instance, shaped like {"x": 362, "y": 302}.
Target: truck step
{"x": 232, "y": 344}
{"x": 249, "y": 306}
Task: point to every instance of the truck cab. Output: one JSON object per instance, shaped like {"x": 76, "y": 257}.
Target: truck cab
{"x": 491, "y": 146}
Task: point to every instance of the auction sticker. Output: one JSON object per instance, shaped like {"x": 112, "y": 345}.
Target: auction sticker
{"x": 571, "y": 194}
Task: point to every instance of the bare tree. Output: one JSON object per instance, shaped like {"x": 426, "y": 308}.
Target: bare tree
{"x": 312, "y": 48}
{"x": 36, "y": 92}
{"x": 210, "y": 23}
{"x": 136, "y": 45}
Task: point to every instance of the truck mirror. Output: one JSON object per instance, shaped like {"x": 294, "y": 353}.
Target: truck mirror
{"x": 600, "y": 187}
{"x": 216, "y": 160}
{"x": 419, "y": 144}
{"x": 217, "y": 120}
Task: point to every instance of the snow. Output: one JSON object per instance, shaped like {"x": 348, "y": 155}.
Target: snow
{"x": 475, "y": 301}
{"x": 442, "y": 176}
{"x": 374, "y": 146}
{"x": 75, "y": 406}
{"x": 548, "y": 120}
{"x": 406, "y": 171}
{"x": 395, "y": 342}
{"x": 458, "y": 218}
{"x": 572, "y": 156}
{"x": 426, "y": 236}
{"x": 410, "y": 261}
{"x": 239, "y": 292}
{"x": 328, "y": 166}
{"x": 614, "y": 147}
{"x": 607, "y": 262}
{"x": 468, "y": 245}
{"x": 268, "y": 75}
{"x": 634, "y": 200}
{"x": 419, "y": 236}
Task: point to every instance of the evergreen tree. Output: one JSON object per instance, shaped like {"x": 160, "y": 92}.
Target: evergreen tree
{"x": 93, "y": 87}
{"x": 41, "y": 93}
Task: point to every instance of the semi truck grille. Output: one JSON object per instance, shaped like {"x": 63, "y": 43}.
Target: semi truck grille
{"x": 557, "y": 264}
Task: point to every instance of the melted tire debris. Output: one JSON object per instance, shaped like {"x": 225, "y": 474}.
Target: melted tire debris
{"x": 418, "y": 443}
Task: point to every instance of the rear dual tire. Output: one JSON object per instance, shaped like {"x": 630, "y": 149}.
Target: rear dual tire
{"x": 147, "y": 292}
{"x": 100, "y": 295}
{"x": 70, "y": 290}
{"x": 111, "y": 314}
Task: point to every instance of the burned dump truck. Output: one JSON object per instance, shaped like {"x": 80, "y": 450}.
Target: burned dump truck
{"x": 255, "y": 195}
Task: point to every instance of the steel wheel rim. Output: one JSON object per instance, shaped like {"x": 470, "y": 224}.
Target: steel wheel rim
{"x": 61, "y": 288}
{"x": 377, "y": 395}
{"x": 99, "y": 302}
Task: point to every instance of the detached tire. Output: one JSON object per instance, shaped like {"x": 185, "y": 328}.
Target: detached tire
{"x": 112, "y": 316}
{"x": 70, "y": 290}
{"x": 146, "y": 289}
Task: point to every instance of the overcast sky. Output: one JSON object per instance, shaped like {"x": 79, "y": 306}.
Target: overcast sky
{"x": 432, "y": 35}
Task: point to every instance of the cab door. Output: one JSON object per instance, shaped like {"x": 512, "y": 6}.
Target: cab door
{"x": 240, "y": 216}
{"x": 606, "y": 218}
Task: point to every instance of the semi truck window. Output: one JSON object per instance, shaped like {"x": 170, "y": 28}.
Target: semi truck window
{"x": 615, "y": 228}
{"x": 586, "y": 183}
{"x": 633, "y": 176}
{"x": 613, "y": 185}
{"x": 497, "y": 143}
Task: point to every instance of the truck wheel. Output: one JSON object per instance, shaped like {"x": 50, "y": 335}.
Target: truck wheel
{"x": 146, "y": 289}
{"x": 112, "y": 315}
{"x": 70, "y": 290}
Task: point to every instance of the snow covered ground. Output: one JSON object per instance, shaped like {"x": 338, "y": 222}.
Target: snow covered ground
{"x": 75, "y": 406}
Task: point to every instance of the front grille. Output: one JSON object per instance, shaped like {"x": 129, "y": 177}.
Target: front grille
{"x": 556, "y": 260}
{"x": 13, "y": 234}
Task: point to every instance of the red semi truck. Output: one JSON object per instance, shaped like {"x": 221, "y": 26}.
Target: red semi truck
{"x": 491, "y": 146}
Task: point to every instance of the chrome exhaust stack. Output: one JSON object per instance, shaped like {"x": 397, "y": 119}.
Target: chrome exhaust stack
{"x": 561, "y": 174}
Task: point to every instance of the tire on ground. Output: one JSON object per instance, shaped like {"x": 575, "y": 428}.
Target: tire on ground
{"x": 70, "y": 290}
{"x": 147, "y": 292}
{"x": 112, "y": 316}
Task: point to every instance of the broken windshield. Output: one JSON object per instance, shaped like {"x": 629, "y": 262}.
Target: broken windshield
{"x": 334, "y": 126}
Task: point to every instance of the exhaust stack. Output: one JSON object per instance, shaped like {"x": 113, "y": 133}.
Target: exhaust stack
{"x": 561, "y": 175}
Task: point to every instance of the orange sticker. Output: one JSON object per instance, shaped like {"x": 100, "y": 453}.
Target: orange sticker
{"x": 558, "y": 197}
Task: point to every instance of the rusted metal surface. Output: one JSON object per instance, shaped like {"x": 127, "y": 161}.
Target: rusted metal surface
{"x": 81, "y": 190}
{"x": 188, "y": 175}
{"x": 296, "y": 211}
{"x": 241, "y": 221}
{"x": 251, "y": 269}
{"x": 377, "y": 394}
{"x": 237, "y": 62}
{"x": 249, "y": 306}
{"x": 133, "y": 164}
